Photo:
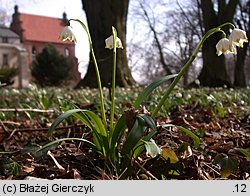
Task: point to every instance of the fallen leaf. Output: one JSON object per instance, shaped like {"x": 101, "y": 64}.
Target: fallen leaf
{"x": 168, "y": 153}
{"x": 27, "y": 169}
{"x": 227, "y": 164}
{"x": 187, "y": 153}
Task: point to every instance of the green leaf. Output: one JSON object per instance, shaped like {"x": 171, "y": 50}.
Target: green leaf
{"x": 135, "y": 134}
{"x": 150, "y": 88}
{"x": 88, "y": 143}
{"x": 190, "y": 133}
{"x": 9, "y": 167}
{"x": 142, "y": 123}
{"x": 97, "y": 122}
{"x": 33, "y": 149}
{"x": 100, "y": 133}
{"x": 221, "y": 109}
{"x": 246, "y": 152}
{"x": 118, "y": 131}
{"x": 60, "y": 118}
{"x": 149, "y": 122}
{"x": 92, "y": 121}
{"x": 139, "y": 147}
{"x": 227, "y": 164}
{"x": 115, "y": 138}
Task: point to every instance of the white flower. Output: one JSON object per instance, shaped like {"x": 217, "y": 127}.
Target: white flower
{"x": 110, "y": 45}
{"x": 238, "y": 37}
{"x": 152, "y": 149}
{"x": 67, "y": 34}
{"x": 225, "y": 46}
{"x": 197, "y": 82}
{"x": 178, "y": 95}
{"x": 188, "y": 96}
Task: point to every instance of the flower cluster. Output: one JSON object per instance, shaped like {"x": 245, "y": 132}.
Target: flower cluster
{"x": 236, "y": 38}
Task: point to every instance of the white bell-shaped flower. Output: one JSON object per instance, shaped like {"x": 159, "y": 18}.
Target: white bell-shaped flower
{"x": 225, "y": 46}
{"x": 110, "y": 45}
{"x": 238, "y": 37}
{"x": 67, "y": 34}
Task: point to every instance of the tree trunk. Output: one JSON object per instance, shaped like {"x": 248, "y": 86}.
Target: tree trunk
{"x": 239, "y": 71}
{"x": 214, "y": 71}
{"x": 101, "y": 16}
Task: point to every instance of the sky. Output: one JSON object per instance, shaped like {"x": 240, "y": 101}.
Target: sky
{"x": 55, "y": 8}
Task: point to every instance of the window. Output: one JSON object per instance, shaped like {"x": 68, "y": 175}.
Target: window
{"x": 5, "y": 39}
{"x": 5, "y": 59}
{"x": 66, "y": 52}
{"x": 33, "y": 53}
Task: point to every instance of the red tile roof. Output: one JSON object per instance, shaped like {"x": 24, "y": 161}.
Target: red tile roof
{"x": 41, "y": 28}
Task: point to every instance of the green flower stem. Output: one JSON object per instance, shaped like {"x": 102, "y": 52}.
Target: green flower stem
{"x": 186, "y": 66}
{"x": 112, "y": 110}
{"x": 97, "y": 72}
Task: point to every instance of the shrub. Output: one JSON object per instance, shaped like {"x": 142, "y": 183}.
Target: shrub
{"x": 7, "y": 74}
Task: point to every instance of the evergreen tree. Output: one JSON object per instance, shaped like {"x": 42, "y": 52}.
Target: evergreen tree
{"x": 51, "y": 68}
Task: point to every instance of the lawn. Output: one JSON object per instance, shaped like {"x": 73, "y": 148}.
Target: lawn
{"x": 210, "y": 139}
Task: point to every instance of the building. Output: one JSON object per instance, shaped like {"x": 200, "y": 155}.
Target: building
{"x": 36, "y": 32}
{"x": 12, "y": 54}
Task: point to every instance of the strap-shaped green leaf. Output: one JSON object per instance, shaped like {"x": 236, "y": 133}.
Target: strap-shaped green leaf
{"x": 142, "y": 123}
{"x": 118, "y": 131}
{"x": 150, "y": 123}
{"x": 92, "y": 121}
{"x": 190, "y": 133}
{"x": 100, "y": 132}
{"x": 150, "y": 88}
{"x": 139, "y": 146}
{"x": 90, "y": 144}
{"x": 97, "y": 122}
{"x": 135, "y": 134}
{"x": 60, "y": 118}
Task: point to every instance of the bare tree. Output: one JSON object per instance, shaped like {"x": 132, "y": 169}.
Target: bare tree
{"x": 5, "y": 15}
{"x": 146, "y": 48}
{"x": 6, "y": 8}
{"x": 151, "y": 25}
{"x": 184, "y": 25}
{"x": 169, "y": 36}
{"x": 186, "y": 33}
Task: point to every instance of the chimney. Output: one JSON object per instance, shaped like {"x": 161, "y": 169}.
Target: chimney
{"x": 16, "y": 23}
